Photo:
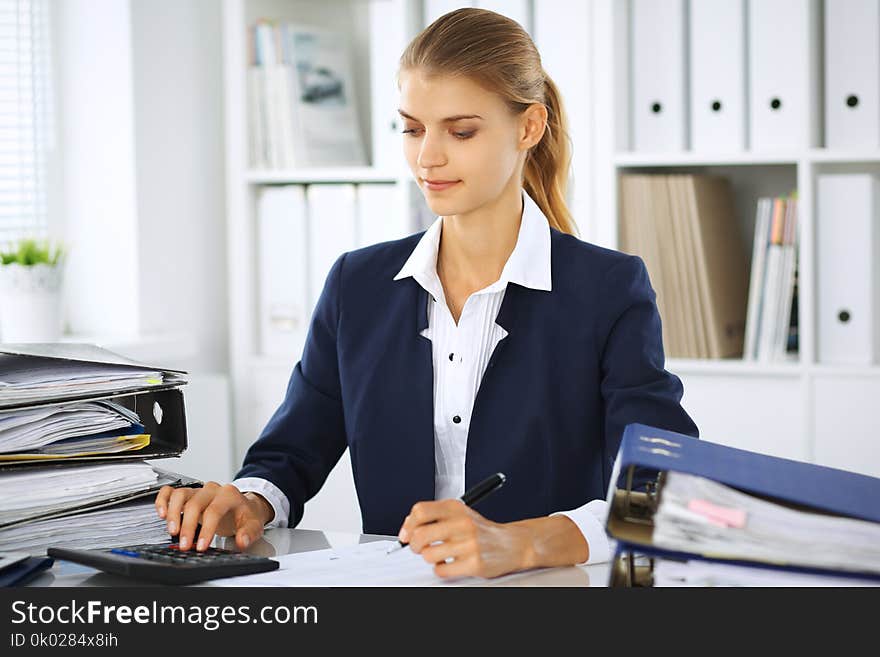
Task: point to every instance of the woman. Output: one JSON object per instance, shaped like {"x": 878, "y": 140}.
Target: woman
{"x": 494, "y": 341}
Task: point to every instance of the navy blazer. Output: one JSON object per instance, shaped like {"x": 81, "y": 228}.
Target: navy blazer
{"x": 579, "y": 363}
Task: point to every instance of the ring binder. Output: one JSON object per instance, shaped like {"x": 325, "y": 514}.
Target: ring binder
{"x": 790, "y": 486}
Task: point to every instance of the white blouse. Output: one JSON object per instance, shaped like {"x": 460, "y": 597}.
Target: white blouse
{"x": 460, "y": 353}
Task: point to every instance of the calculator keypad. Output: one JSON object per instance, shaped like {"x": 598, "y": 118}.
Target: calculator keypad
{"x": 166, "y": 554}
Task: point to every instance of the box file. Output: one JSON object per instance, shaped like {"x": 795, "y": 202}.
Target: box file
{"x": 852, "y": 74}
{"x": 657, "y": 47}
{"x": 717, "y": 76}
{"x": 783, "y": 72}
{"x": 789, "y": 484}
{"x": 332, "y": 216}
{"x": 380, "y": 215}
{"x": 283, "y": 265}
{"x": 848, "y": 277}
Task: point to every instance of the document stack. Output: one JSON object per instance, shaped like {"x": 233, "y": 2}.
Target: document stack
{"x": 720, "y": 516}
{"x": 771, "y": 326}
{"x": 685, "y": 230}
{"x": 76, "y": 425}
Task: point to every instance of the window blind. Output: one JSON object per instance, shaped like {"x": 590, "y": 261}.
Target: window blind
{"x": 25, "y": 118}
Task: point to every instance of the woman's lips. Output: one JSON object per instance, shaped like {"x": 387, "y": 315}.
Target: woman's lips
{"x": 439, "y": 186}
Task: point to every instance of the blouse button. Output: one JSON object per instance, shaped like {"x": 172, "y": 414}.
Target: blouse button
{"x": 456, "y": 419}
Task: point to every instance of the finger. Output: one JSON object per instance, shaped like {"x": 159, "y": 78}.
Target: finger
{"x": 423, "y": 513}
{"x": 162, "y": 500}
{"x": 442, "y": 530}
{"x": 224, "y": 501}
{"x": 192, "y": 514}
{"x": 248, "y": 529}
{"x": 178, "y": 498}
{"x": 457, "y": 550}
{"x": 467, "y": 567}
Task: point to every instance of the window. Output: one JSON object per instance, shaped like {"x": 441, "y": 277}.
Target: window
{"x": 25, "y": 118}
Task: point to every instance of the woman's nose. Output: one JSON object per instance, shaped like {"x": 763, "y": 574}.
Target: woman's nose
{"x": 430, "y": 154}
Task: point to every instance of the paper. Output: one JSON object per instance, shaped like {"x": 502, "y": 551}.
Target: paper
{"x": 69, "y": 429}
{"x": 706, "y": 573}
{"x": 29, "y": 379}
{"x": 755, "y": 529}
{"x": 83, "y": 447}
{"x": 35, "y": 492}
{"x": 132, "y": 523}
{"x": 366, "y": 564}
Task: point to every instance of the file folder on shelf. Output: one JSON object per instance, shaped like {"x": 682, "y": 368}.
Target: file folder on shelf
{"x": 783, "y": 61}
{"x": 717, "y": 74}
{"x": 659, "y": 105}
{"x": 848, "y": 289}
{"x": 852, "y": 74}
{"x": 828, "y": 495}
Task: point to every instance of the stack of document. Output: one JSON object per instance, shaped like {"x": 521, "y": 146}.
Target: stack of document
{"x": 702, "y": 516}
{"x": 76, "y": 425}
{"x": 710, "y": 573}
{"x": 98, "y": 427}
{"x": 131, "y": 523}
{"x": 54, "y": 505}
{"x": 27, "y": 379}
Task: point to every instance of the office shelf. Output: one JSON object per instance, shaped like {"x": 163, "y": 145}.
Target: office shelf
{"x": 322, "y": 175}
{"x": 736, "y": 367}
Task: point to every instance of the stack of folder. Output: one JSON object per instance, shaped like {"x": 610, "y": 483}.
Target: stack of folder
{"x": 76, "y": 425}
{"x": 720, "y": 516}
{"x": 684, "y": 228}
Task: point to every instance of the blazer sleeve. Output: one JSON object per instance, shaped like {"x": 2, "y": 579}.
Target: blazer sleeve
{"x": 305, "y": 438}
{"x": 635, "y": 384}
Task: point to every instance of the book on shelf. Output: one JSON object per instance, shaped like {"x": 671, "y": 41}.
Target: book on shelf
{"x": 302, "y": 109}
{"x": 684, "y": 228}
{"x": 771, "y": 325}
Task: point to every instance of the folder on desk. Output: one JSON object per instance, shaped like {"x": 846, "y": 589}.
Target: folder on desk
{"x": 714, "y": 504}
{"x": 77, "y": 424}
{"x": 48, "y": 381}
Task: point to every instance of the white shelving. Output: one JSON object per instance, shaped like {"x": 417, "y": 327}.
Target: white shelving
{"x": 258, "y": 382}
{"x": 780, "y": 408}
{"x": 322, "y": 175}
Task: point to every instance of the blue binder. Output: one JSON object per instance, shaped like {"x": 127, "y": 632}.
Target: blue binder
{"x": 805, "y": 485}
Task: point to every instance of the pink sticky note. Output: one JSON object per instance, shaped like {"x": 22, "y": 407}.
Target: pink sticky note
{"x": 719, "y": 515}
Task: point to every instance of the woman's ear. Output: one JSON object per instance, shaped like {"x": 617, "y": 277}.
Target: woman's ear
{"x": 533, "y": 125}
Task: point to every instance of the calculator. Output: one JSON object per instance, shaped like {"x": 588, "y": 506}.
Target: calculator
{"x": 167, "y": 563}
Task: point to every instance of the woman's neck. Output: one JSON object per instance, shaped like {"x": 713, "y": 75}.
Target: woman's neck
{"x": 475, "y": 246}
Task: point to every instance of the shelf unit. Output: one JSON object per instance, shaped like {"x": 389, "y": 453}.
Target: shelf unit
{"x": 790, "y": 409}
{"x": 258, "y": 382}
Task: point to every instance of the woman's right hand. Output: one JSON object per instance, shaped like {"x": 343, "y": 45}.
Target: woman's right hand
{"x": 221, "y": 510}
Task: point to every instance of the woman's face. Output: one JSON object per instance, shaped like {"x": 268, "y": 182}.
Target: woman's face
{"x": 462, "y": 136}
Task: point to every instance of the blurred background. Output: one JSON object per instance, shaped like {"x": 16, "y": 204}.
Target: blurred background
{"x": 203, "y": 162}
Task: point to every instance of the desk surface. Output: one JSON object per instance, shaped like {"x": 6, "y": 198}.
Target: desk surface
{"x": 276, "y": 542}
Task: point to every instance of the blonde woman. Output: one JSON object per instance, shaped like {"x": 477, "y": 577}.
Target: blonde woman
{"x": 495, "y": 341}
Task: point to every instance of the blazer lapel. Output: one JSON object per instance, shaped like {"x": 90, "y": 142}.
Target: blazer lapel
{"x": 415, "y": 399}
{"x": 489, "y": 415}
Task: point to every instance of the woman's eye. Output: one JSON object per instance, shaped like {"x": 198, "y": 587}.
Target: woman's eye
{"x": 457, "y": 135}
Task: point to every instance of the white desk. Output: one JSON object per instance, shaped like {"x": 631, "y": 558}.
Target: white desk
{"x": 276, "y": 542}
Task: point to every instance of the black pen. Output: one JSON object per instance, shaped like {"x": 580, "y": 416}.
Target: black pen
{"x": 488, "y": 485}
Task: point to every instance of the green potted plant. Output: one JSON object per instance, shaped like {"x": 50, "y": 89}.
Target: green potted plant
{"x": 30, "y": 291}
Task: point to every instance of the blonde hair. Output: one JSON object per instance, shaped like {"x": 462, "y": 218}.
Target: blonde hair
{"x": 498, "y": 54}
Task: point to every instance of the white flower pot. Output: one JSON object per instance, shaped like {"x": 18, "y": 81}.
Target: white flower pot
{"x": 30, "y": 303}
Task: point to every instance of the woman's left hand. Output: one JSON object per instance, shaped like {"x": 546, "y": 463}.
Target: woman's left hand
{"x": 478, "y": 547}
